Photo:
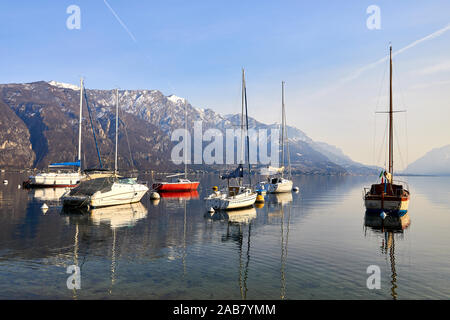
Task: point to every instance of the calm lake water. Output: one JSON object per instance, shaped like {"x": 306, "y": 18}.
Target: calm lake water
{"x": 315, "y": 244}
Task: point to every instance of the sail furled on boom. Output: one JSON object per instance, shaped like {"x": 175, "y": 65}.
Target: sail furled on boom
{"x": 237, "y": 173}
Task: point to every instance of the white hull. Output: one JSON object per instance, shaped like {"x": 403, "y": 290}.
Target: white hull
{"x": 398, "y": 205}
{"x": 279, "y": 187}
{"x": 119, "y": 194}
{"x": 51, "y": 179}
{"x": 224, "y": 202}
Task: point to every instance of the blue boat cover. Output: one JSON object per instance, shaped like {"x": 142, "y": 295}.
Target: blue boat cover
{"x": 65, "y": 164}
{"x": 238, "y": 173}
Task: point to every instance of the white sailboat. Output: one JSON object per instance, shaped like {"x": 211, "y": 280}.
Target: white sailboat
{"x": 235, "y": 196}
{"x": 64, "y": 176}
{"x": 109, "y": 190}
{"x": 276, "y": 182}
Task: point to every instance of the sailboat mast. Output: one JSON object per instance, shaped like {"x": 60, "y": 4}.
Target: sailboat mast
{"x": 246, "y": 122}
{"x": 391, "y": 127}
{"x": 242, "y": 118}
{"x": 79, "y": 124}
{"x": 117, "y": 130}
{"x": 282, "y": 124}
{"x": 185, "y": 141}
{"x": 241, "y": 160}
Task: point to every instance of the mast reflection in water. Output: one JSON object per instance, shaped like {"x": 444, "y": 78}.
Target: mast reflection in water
{"x": 390, "y": 227}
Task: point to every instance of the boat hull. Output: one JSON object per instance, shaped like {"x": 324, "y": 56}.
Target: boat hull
{"x": 397, "y": 206}
{"x": 53, "y": 180}
{"x": 231, "y": 203}
{"x": 279, "y": 187}
{"x": 175, "y": 187}
{"x": 110, "y": 198}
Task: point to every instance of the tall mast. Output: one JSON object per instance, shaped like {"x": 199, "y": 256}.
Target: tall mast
{"x": 282, "y": 124}
{"x": 288, "y": 154}
{"x": 117, "y": 128}
{"x": 185, "y": 141}
{"x": 246, "y": 130}
{"x": 242, "y": 118}
{"x": 391, "y": 127}
{"x": 79, "y": 128}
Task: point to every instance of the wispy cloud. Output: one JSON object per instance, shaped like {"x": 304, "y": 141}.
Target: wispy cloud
{"x": 436, "y": 68}
{"x": 358, "y": 72}
{"x": 361, "y": 70}
{"x": 120, "y": 21}
{"x": 430, "y": 84}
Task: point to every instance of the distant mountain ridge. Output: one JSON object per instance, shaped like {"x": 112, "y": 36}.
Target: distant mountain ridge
{"x": 49, "y": 112}
{"x": 434, "y": 162}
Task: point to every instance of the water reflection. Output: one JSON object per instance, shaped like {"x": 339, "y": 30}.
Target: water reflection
{"x": 48, "y": 194}
{"x": 174, "y": 252}
{"x": 389, "y": 229}
{"x": 243, "y": 216}
{"x": 185, "y": 195}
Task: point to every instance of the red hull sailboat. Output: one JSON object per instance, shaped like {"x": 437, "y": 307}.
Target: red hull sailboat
{"x": 178, "y": 184}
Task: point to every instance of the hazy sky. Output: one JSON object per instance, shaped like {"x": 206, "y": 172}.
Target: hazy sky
{"x": 324, "y": 51}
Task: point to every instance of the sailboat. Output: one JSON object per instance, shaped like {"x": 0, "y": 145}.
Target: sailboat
{"x": 235, "y": 196}
{"x": 64, "y": 176}
{"x": 388, "y": 196}
{"x": 276, "y": 182}
{"x": 106, "y": 191}
{"x": 178, "y": 183}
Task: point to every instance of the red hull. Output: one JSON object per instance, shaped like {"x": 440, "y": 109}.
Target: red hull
{"x": 174, "y": 186}
{"x": 180, "y": 195}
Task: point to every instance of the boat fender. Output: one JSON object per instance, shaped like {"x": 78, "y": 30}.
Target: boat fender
{"x": 154, "y": 195}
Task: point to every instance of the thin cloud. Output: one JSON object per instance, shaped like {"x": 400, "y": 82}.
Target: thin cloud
{"x": 120, "y": 21}
{"x": 440, "y": 67}
{"x": 358, "y": 72}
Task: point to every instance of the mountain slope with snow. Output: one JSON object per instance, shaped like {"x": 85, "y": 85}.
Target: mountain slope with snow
{"x": 50, "y": 112}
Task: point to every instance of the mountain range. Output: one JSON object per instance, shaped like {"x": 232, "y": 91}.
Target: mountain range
{"x": 434, "y": 162}
{"x": 39, "y": 125}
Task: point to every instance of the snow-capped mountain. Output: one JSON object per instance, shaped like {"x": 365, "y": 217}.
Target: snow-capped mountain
{"x": 49, "y": 111}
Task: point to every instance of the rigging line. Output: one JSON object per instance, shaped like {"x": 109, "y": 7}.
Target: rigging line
{"x": 407, "y": 141}
{"x": 126, "y": 135}
{"x": 376, "y": 109}
{"x": 382, "y": 147}
{"x": 398, "y": 147}
{"x": 93, "y": 130}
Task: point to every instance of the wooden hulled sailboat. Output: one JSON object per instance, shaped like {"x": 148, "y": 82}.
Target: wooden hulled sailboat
{"x": 388, "y": 196}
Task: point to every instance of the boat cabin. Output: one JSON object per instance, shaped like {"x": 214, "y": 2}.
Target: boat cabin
{"x": 388, "y": 189}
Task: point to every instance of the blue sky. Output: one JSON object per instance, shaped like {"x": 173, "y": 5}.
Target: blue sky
{"x": 196, "y": 49}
